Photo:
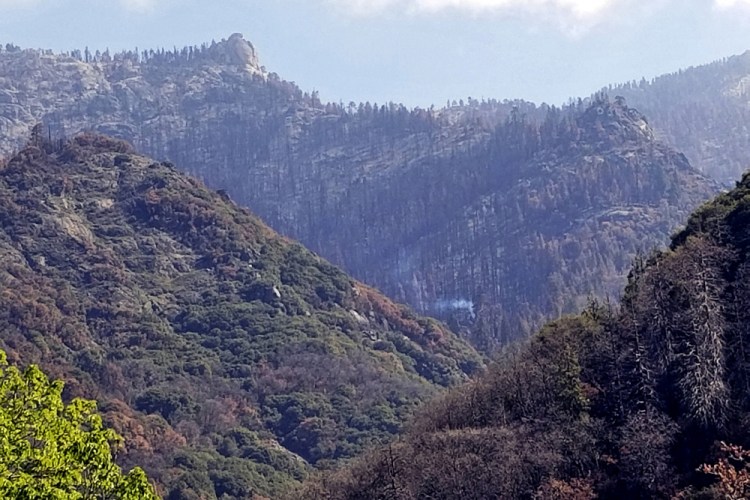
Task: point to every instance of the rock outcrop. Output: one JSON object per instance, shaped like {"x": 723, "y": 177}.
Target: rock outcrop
{"x": 702, "y": 111}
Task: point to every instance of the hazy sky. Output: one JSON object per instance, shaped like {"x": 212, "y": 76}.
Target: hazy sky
{"x": 418, "y": 52}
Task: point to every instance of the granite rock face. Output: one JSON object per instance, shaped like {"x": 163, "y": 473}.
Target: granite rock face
{"x": 493, "y": 215}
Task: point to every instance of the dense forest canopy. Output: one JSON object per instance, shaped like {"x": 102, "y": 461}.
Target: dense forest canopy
{"x": 232, "y": 360}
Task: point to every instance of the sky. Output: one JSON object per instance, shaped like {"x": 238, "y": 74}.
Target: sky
{"x": 418, "y": 52}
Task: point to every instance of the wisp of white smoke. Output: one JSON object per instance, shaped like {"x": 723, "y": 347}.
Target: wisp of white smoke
{"x": 445, "y": 305}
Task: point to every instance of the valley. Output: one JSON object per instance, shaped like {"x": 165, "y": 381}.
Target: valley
{"x": 435, "y": 207}
{"x": 273, "y": 296}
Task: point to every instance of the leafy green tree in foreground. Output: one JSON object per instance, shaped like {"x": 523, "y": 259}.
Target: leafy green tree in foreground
{"x": 49, "y": 450}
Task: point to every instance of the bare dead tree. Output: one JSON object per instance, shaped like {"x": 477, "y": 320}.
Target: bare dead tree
{"x": 702, "y": 365}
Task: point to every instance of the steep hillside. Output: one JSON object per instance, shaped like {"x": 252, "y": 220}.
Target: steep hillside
{"x": 704, "y": 112}
{"x": 650, "y": 399}
{"x": 231, "y": 360}
{"x": 529, "y": 224}
{"x": 493, "y": 215}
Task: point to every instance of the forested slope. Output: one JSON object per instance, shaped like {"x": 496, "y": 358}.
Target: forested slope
{"x": 702, "y": 111}
{"x": 494, "y": 215}
{"x": 231, "y": 359}
{"x": 628, "y": 401}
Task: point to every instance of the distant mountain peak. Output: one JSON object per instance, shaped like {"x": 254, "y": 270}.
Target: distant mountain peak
{"x": 237, "y": 51}
{"x": 607, "y": 119}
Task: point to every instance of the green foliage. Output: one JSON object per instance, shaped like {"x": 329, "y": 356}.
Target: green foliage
{"x": 166, "y": 402}
{"x": 53, "y": 450}
{"x": 192, "y": 320}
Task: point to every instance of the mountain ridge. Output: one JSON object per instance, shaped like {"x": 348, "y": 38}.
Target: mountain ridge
{"x": 645, "y": 399}
{"x": 383, "y": 187}
{"x": 232, "y": 360}
{"x": 703, "y": 111}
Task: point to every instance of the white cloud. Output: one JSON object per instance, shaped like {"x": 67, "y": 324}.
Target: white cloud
{"x": 729, "y": 4}
{"x": 576, "y": 9}
{"x": 138, "y": 5}
{"x": 572, "y": 16}
{"x": 575, "y": 18}
{"x": 8, "y": 4}
{"x": 133, "y": 5}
